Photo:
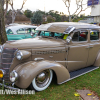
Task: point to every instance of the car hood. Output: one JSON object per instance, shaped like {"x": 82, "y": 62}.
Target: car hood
{"x": 34, "y": 43}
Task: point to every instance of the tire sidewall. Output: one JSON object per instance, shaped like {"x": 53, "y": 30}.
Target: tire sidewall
{"x": 41, "y": 89}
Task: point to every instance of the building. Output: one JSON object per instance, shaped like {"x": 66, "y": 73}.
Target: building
{"x": 95, "y": 11}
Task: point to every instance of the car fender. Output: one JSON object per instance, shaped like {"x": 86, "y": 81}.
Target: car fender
{"x": 97, "y": 61}
{"x": 28, "y": 71}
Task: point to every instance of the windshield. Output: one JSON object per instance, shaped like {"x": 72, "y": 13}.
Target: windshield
{"x": 52, "y": 34}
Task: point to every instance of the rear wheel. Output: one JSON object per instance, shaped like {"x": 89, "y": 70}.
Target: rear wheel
{"x": 42, "y": 80}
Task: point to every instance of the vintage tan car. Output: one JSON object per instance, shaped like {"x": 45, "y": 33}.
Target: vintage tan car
{"x": 66, "y": 49}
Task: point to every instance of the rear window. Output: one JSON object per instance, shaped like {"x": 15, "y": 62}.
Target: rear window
{"x": 9, "y": 31}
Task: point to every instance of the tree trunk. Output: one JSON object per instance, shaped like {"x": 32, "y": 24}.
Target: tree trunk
{"x": 69, "y": 18}
{"x": 5, "y": 13}
{"x": 3, "y": 36}
{"x": 13, "y": 15}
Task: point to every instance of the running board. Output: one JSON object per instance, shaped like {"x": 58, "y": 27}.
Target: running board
{"x": 80, "y": 72}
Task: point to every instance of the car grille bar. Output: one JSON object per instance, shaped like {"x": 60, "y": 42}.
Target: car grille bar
{"x": 6, "y": 60}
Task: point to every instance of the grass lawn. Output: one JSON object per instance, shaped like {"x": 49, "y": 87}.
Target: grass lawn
{"x": 65, "y": 91}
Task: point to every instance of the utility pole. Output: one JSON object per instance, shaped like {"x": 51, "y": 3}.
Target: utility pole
{"x": 44, "y": 11}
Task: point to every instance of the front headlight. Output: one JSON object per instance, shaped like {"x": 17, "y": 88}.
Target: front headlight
{"x": 22, "y": 54}
{"x": 13, "y": 76}
{"x": 19, "y": 55}
{"x": 1, "y": 48}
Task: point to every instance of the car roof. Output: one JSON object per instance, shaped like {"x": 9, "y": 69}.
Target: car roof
{"x": 17, "y": 27}
{"x": 60, "y": 27}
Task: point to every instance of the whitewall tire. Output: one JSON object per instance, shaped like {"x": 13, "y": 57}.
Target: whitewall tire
{"x": 42, "y": 80}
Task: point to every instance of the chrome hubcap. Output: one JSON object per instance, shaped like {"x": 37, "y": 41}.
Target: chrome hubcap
{"x": 43, "y": 78}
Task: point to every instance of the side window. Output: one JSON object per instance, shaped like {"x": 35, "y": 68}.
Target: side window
{"x": 9, "y": 31}
{"x": 58, "y": 34}
{"x": 44, "y": 33}
{"x": 94, "y": 35}
{"x": 21, "y": 31}
{"x": 29, "y": 30}
{"x": 80, "y": 36}
{"x": 75, "y": 36}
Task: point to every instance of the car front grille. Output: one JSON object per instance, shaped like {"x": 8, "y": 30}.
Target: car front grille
{"x": 6, "y": 60}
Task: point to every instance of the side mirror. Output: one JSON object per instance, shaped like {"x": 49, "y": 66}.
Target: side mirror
{"x": 68, "y": 40}
{"x": 32, "y": 34}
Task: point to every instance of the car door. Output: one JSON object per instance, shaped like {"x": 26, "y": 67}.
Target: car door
{"x": 77, "y": 54}
{"x": 94, "y": 46}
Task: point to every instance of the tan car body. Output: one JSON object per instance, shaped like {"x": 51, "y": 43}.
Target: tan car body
{"x": 55, "y": 54}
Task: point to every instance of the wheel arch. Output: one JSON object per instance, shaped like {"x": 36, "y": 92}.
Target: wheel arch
{"x": 28, "y": 71}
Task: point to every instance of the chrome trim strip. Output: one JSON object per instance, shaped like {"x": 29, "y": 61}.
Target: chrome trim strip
{"x": 38, "y": 59}
{"x": 7, "y": 73}
{"x": 11, "y": 48}
{"x": 78, "y": 75}
{"x": 7, "y": 53}
{"x": 5, "y": 68}
{"x": 69, "y": 61}
{"x": 6, "y": 58}
{"x": 6, "y": 76}
{"x": 47, "y": 52}
{"x": 7, "y": 79}
{"x": 6, "y": 63}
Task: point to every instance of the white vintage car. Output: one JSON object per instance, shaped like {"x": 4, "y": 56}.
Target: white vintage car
{"x": 18, "y": 32}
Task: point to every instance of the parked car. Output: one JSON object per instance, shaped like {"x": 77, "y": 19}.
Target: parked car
{"x": 18, "y": 32}
{"x": 65, "y": 48}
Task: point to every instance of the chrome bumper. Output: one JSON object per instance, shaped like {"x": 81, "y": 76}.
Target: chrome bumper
{"x": 8, "y": 87}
